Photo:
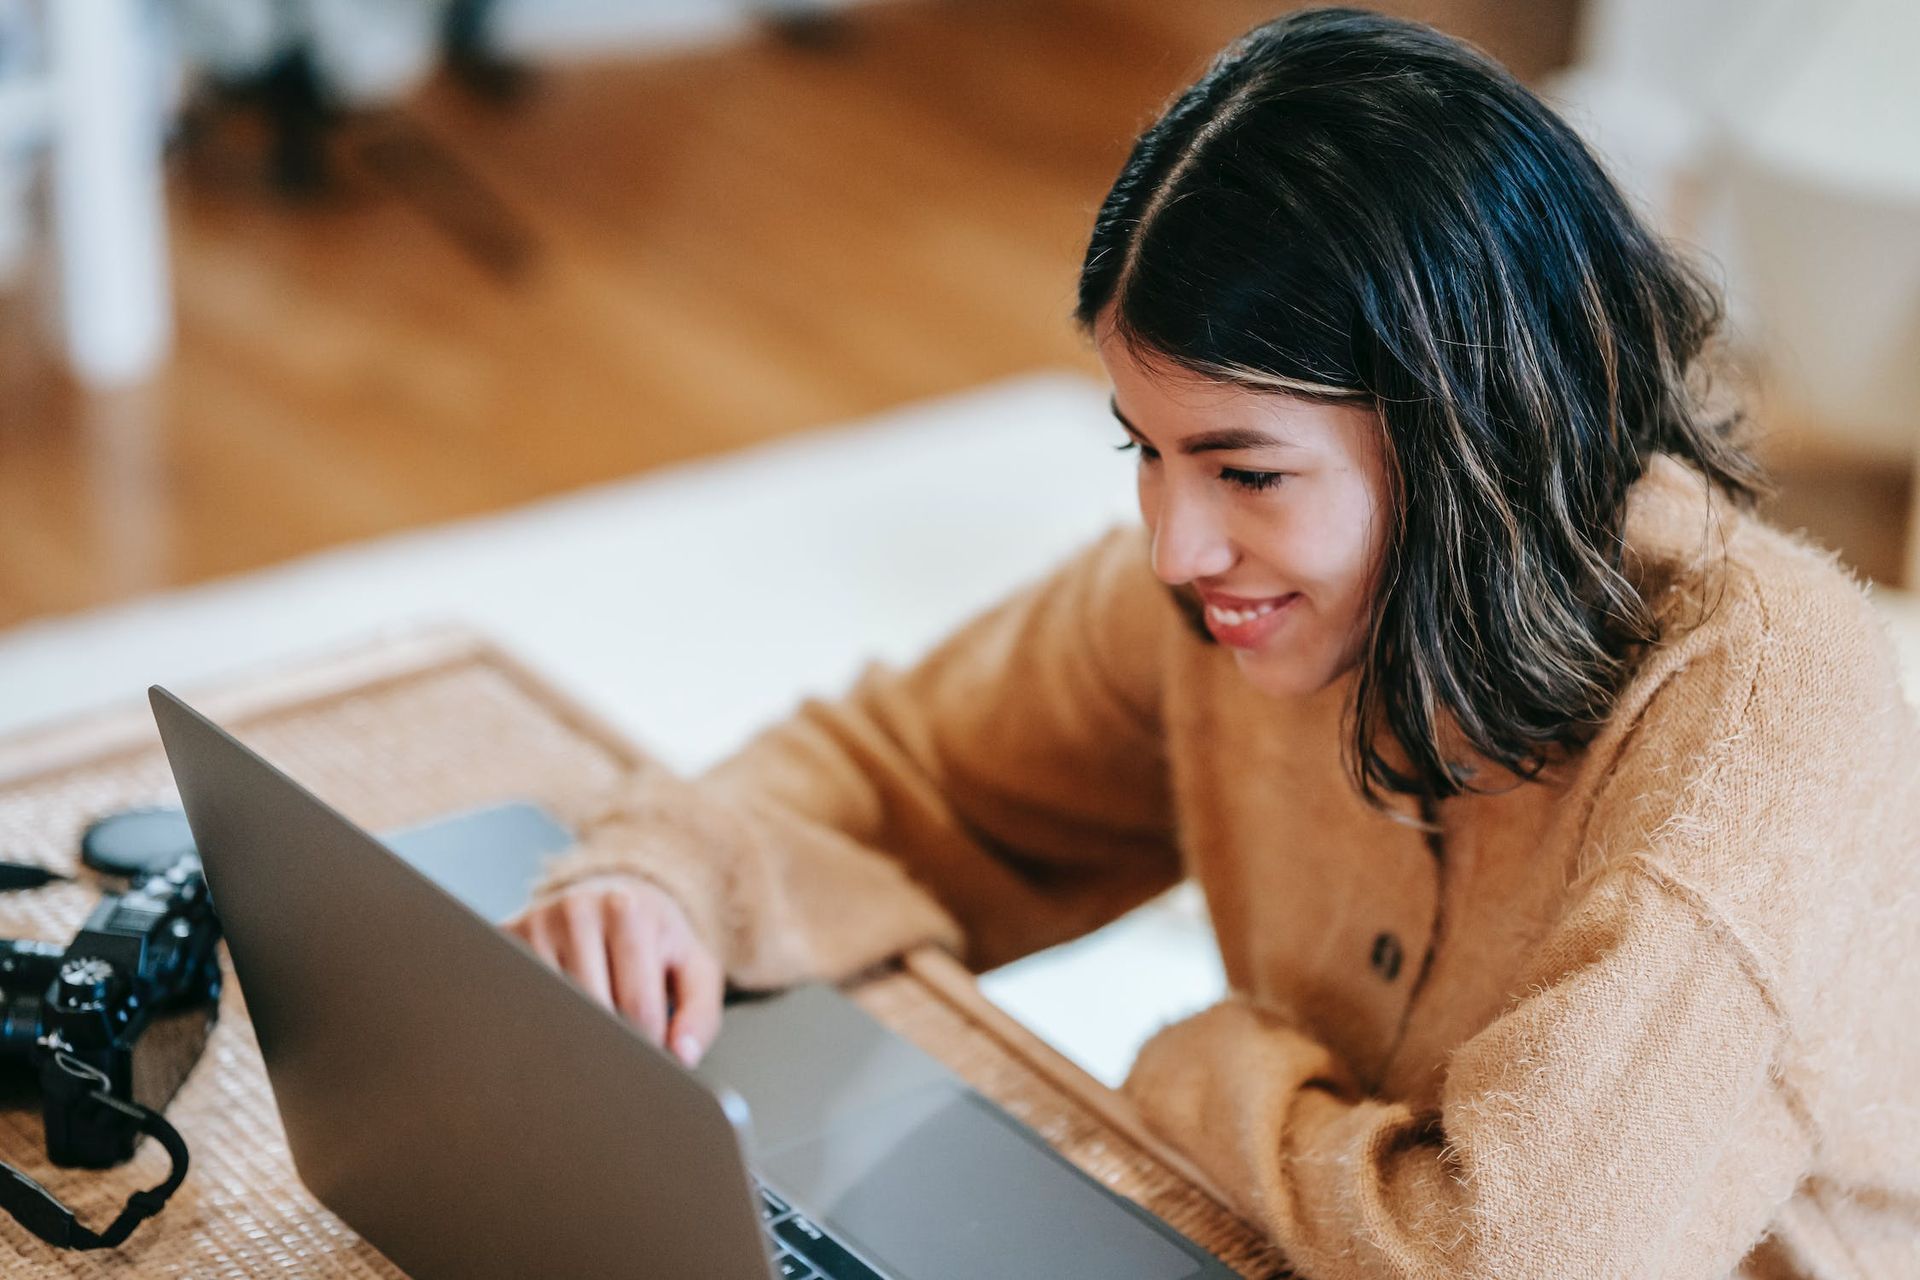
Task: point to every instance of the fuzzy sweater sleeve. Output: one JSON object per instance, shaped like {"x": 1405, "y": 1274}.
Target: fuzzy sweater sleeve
{"x": 1007, "y": 792}
{"x": 1625, "y": 1119}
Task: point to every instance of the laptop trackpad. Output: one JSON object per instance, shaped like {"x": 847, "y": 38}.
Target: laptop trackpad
{"x": 938, "y": 1185}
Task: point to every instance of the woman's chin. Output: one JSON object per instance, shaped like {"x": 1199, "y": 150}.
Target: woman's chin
{"x": 1285, "y": 675}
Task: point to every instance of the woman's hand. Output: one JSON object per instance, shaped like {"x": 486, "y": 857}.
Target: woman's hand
{"x": 629, "y": 945}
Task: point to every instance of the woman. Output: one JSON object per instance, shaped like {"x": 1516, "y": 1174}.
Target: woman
{"x": 1556, "y": 817}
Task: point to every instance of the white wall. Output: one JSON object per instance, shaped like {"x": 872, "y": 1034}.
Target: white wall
{"x": 543, "y": 29}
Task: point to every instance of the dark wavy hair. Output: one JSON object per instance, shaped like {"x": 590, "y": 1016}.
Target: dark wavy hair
{"x": 1353, "y": 206}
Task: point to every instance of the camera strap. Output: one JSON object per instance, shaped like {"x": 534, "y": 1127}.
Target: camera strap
{"x": 36, "y": 1209}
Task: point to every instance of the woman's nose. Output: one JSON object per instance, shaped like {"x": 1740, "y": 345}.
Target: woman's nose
{"x": 1189, "y": 541}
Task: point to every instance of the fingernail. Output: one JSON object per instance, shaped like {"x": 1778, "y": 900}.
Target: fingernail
{"x": 688, "y": 1048}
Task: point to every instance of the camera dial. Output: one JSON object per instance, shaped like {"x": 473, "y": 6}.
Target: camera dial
{"x": 85, "y": 984}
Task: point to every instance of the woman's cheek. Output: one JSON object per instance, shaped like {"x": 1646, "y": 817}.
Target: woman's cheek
{"x": 1296, "y": 548}
{"x": 1323, "y": 549}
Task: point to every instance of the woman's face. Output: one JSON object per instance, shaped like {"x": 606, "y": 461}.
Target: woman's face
{"x": 1270, "y": 509}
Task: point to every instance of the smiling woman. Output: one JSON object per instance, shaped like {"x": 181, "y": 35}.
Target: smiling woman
{"x": 1555, "y": 815}
{"x": 1317, "y": 220}
{"x": 1270, "y": 511}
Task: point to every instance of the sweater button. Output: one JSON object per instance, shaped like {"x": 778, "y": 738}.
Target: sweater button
{"x": 1387, "y": 956}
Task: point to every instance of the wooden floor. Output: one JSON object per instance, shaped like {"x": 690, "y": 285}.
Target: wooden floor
{"x": 637, "y": 263}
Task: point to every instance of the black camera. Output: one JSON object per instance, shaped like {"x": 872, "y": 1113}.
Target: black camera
{"x": 132, "y": 997}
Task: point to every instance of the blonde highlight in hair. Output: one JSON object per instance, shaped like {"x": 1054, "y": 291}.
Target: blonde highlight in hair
{"x": 1261, "y": 380}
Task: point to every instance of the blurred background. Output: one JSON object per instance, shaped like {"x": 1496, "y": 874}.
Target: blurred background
{"x": 321, "y": 316}
{"x": 279, "y": 274}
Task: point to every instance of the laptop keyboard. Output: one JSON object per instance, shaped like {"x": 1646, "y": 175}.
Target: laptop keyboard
{"x": 804, "y": 1250}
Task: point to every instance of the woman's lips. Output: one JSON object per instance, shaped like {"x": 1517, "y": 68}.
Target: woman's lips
{"x": 1246, "y": 624}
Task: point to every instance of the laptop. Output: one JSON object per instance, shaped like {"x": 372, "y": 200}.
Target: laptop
{"x": 473, "y": 1114}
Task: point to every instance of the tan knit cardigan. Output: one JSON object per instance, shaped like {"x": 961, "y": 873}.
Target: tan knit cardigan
{"x": 1656, "y": 1015}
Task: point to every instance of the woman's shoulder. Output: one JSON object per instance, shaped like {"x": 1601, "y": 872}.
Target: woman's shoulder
{"x": 1760, "y": 762}
{"x": 1768, "y": 723}
{"x": 1733, "y": 594}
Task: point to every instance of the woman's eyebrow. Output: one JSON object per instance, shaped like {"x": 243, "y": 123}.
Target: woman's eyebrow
{"x": 1210, "y": 441}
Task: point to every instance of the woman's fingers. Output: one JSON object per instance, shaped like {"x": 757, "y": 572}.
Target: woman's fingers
{"x": 629, "y": 946}
{"x": 531, "y": 928}
{"x": 639, "y": 978}
{"x": 698, "y": 989}
{"x": 583, "y": 952}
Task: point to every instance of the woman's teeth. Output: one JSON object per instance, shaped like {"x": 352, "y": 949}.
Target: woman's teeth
{"x": 1238, "y": 617}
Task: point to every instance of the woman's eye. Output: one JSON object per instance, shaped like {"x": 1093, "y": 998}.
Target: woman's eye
{"x": 1146, "y": 454}
{"x": 1255, "y": 480}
